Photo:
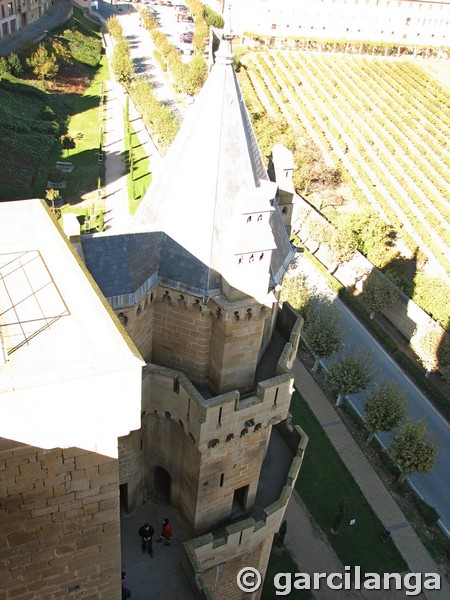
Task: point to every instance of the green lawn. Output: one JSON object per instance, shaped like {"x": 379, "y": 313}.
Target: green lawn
{"x": 281, "y": 561}
{"x": 140, "y": 178}
{"x": 323, "y": 482}
{"x": 85, "y": 127}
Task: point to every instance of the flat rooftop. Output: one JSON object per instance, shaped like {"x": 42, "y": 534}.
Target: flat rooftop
{"x": 62, "y": 350}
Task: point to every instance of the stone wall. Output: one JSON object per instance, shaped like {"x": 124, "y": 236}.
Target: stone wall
{"x": 131, "y": 468}
{"x": 216, "y": 344}
{"x": 237, "y": 339}
{"x": 212, "y": 564}
{"x": 182, "y": 334}
{"x": 59, "y": 524}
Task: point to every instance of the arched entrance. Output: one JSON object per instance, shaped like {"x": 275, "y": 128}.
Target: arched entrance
{"x": 160, "y": 483}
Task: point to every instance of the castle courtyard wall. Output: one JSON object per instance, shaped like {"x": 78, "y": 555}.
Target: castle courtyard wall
{"x": 59, "y": 523}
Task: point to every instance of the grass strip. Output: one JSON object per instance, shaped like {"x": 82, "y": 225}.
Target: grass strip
{"x": 139, "y": 176}
{"x": 323, "y": 482}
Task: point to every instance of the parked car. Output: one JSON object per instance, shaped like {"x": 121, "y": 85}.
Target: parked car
{"x": 181, "y": 8}
{"x": 186, "y": 38}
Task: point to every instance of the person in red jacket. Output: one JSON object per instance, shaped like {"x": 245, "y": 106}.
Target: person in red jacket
{"x": 166, "y": 533}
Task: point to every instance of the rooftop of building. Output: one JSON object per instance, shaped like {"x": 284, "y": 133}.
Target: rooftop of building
{"x": 55, "y": 326}
{"x": 195, "y": 220}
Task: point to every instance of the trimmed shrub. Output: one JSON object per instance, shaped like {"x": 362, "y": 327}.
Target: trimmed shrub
{"x": 56, "y": 175}
{"x": 213, "y": 18}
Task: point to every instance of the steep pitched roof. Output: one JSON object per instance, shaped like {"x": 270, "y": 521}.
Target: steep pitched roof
{"x": 212, "y": 175}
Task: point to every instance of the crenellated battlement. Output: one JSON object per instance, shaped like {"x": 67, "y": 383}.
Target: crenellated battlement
{"x": 216, "y": 420}
{"x": 209, "y": 561}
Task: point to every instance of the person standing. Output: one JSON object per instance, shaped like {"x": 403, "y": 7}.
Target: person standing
{"x": 166, "y": 533}
{"x": 126, "y": 593}
{"x": 146, "y": 533}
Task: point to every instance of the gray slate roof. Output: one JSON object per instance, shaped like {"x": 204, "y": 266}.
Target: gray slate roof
{"x": 123, "y": 263}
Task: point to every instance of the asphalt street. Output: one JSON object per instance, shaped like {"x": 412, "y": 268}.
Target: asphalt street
{"x": 434, "y": 487}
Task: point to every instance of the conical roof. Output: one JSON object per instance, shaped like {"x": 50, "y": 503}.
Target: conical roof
{"x": 212, "y": 176}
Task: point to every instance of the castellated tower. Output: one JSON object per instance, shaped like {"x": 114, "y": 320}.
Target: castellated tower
{"x": 195, "y": 282}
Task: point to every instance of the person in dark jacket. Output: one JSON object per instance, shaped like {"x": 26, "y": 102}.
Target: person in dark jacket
{"x": 166, "y": 533}
{"x": 146, "y": 532}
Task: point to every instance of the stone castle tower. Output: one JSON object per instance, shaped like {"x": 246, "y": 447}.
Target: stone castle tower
{"x": 194, "y": 284}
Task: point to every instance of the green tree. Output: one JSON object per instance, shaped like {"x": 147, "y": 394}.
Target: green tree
{"x": 379, "y": 293}
{"x": 56, "y": 175}
{"x": 61, "y": 51}
{"x": 373, "y": 236}
{"x": 15, "y": 64}
{"x": 322, "y": 330}
{"x": 429, "y": 344}
{"x": 342, "y": 247}
{"x": 318, "y": 229}
{"x": 5, "y": 68}
{"x": 432, "y": 293}
{"x": 443, "y": 352}
{"x": 350, "y": 374}
{"x": 196, "y": 75}
{"x": 385, "y": 408}
{"x": 295, "y": 290}
{"x": 122, "y": 63}
{"x": 68, "y": 143}
{"x": 114, "y": 27}
{"x": 410, "y": 450}
{"x": 310, "y": 163}
{"x": 43, "y": 64}
{"x": 271, "y": 131}
{"x": 52, "y": 195}
{"x": 213, "y": 18}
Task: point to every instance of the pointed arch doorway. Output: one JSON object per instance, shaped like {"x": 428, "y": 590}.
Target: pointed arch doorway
{"x": 160, "y": 485}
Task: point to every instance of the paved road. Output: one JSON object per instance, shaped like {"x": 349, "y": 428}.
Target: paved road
{"x": 59, "y": 12}
{"x": 434, "y": 487}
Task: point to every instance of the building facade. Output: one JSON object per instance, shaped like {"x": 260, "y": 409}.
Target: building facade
{"x": 421, "y": 22}
{"x": 17, "y": 14}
